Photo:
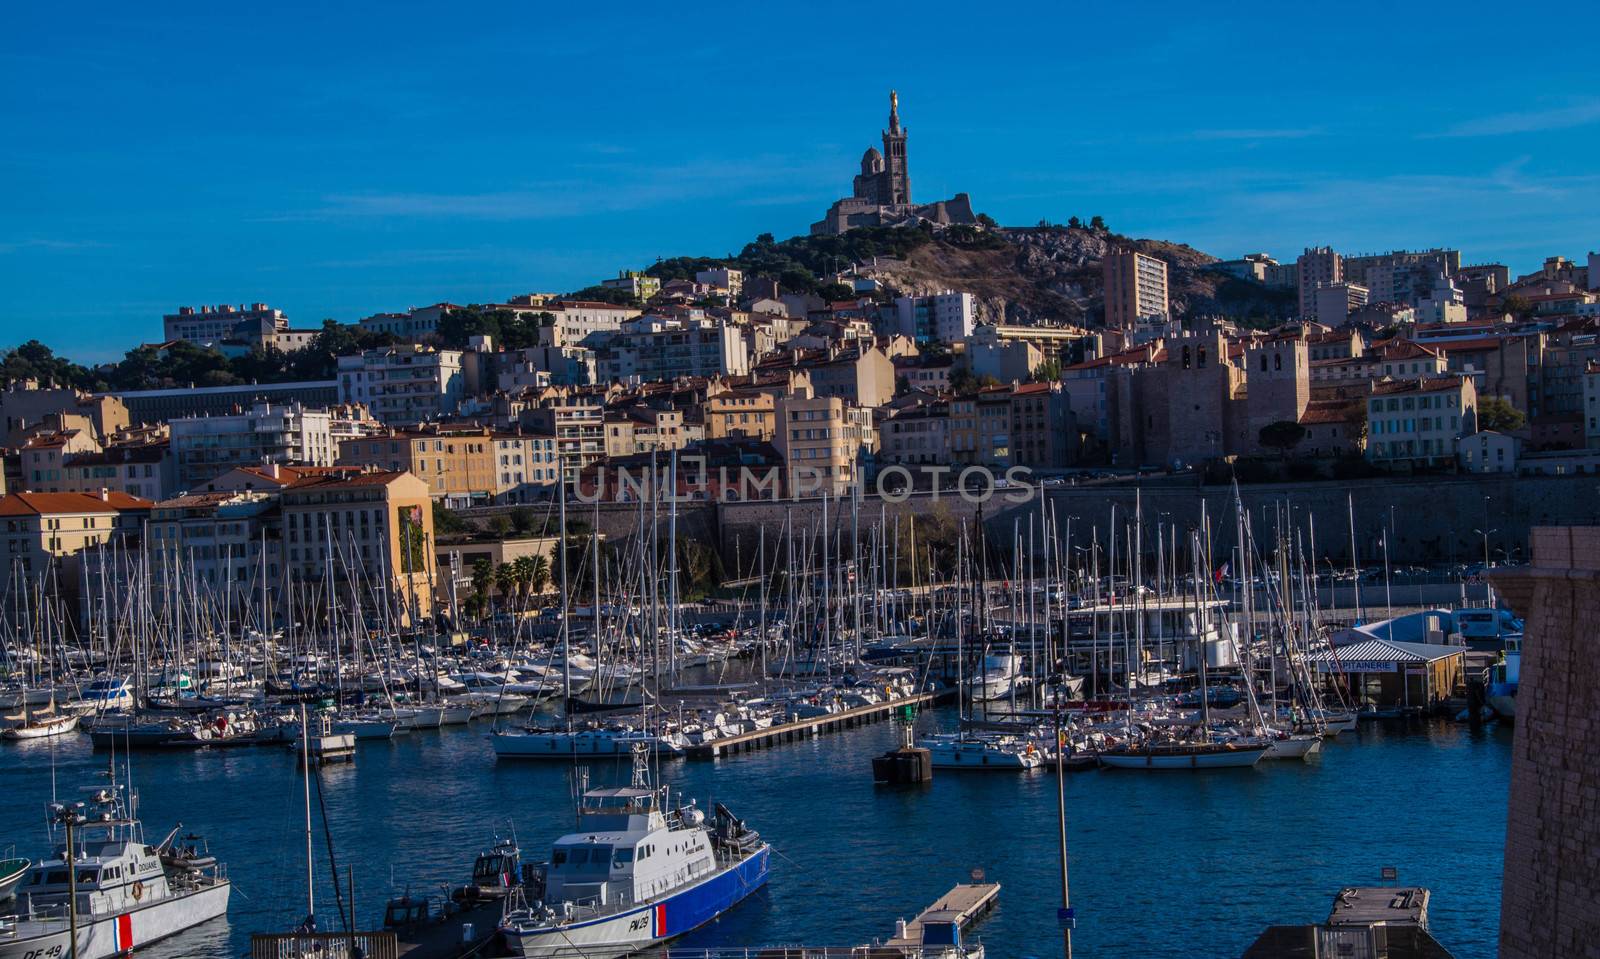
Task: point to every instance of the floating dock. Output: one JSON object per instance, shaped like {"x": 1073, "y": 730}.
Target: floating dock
{"x": 963, "y": 905}
{"x": 804, "y": 728}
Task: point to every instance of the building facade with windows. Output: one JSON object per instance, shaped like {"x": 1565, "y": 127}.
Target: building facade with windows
{"x": 1418, "y": 422}
{"x": 1135, "y": 289}
{"x": 403, "y": 384}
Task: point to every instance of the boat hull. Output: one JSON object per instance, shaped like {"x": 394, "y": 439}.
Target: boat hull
{"x": 1299, "y": 746}
{"x": 557, "y": 745}
{"x": 639, "y": 928}
{"x": 1233, "y": 758}
{"x": 120, "y": 933}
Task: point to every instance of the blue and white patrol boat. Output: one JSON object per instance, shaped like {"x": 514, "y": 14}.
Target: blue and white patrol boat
{"x": 127, "y": 893}
{"x": 635, "y": 874}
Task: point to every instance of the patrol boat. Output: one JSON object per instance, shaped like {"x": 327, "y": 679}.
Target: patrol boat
{"x": 635, "y": 874}
{"x": 127, "y": 893}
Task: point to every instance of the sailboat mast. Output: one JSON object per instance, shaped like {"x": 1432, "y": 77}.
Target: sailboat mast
{"x": 311, "y": 885}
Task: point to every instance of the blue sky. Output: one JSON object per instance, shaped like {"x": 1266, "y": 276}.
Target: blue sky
{"x": 339, "y": 162}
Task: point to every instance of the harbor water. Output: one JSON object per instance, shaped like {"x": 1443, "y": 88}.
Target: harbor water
{"x": 1162, "y": 864}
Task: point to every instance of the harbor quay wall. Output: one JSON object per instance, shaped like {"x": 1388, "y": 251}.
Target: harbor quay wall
{"x": 1550, "y": 888}
{"x": 1428, "y": 520}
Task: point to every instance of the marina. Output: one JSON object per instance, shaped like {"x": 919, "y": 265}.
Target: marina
{"x": 411, "y": 813}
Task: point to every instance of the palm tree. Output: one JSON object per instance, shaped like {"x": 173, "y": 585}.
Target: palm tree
{"x": 505, "y": 579}
{"x": 539, "y": 577}
{"x": 522, "y": 566}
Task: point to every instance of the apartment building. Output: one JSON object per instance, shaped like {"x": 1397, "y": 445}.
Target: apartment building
{"x": 696, "y": 348}
{"x": 44, "y": 456}
{"x": 1135, "y": 289}
{"x": 1418, "y": 422}
{"x": 823, "y": 440}
{"x": 640, "y": 286}
{"x": 727, "y": 282}
{"x": 740, "y": 414}
{"x": 1337, "y": 302}
{"x": 861, "y": 377}
{"x": 403, "y": 384}
{"x": 218, "y": 539}
{"x": 45, "y": 530}
{"x": 1316, "y": 267}
{"x": 945, "y": 317}
{"x": 980, "y": 428}
{"x": 915, "y": 436}
{"x": 412, "y": 326}
{"x": 575, "y": 424}
{"x": 383, "y": 524}
{"x": 644, "y": 429}
{"x": 25, "y": 407}
{"x": 463, "y": 466}
{"x": 537, "y": 367}
{"x": 208, "y": 325}
{"x": 141, "y": 470}
{"x": 1044, "y": 434}
{"x": 206, "y": 446}
{"x": 580, "y": 322}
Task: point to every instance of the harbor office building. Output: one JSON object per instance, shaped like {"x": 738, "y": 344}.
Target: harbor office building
{"x": 1391, "y": 675}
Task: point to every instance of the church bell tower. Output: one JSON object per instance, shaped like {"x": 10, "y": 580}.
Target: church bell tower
{"x": 896, "y": 178}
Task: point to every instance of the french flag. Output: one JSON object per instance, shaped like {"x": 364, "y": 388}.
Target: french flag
{"x": 1222, "y": 572}
{"x": 661, "y": 920}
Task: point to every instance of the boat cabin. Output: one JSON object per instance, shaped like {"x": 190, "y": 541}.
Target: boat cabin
{"x": 627, "y": 851}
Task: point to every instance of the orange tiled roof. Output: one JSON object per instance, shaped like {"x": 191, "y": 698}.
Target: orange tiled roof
{"x": 38, "y": 504}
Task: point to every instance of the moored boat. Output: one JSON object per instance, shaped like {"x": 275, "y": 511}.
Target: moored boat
{"x": 128, "y": 893}
{"x": 635, "y": 874}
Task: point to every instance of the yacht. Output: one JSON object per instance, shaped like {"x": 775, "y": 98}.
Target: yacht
{"x": 635, "y": 874}
{"x": 128, "y": 893}
{"x": 957, "y": 751}
{"x": 536, "y": 743}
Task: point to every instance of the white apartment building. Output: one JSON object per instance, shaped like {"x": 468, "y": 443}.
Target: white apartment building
{"x": 403, "y": 384}
{"x": 1315, "y": 267}
{"x": 537, "y": 367}
{"x": 1420, "y": 421}
{"x": 205, "y": 447}
{"x": 206, "y": 325}
{"x": 580, "y": 322}
{"x": 729, "y": 282}
{"x": 414, "y": 324}
{"x": 1336, "y": 301}
{"x": 1135, "y": 289}
{"x": 947, "y": 317}
{"x": 696, "y": 348}
{"x": 639, "y": 285}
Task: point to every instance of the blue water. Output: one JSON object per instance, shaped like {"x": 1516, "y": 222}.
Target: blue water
{"x": 1173, "y": 864}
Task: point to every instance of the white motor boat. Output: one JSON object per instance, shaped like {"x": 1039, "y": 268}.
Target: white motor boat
{"x": 634, "y": 875}
{"x": 558, "y": 744}
{"x": 956, "y": 751}
{"x": 1293, "y": 746}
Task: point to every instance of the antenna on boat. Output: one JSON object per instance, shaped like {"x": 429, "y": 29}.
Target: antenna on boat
{"x": 641, "y": 765}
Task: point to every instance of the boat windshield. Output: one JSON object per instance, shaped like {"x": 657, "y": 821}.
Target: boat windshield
{"x": 582, "y": 859}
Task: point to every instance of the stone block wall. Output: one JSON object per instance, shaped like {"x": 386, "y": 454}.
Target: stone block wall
{"x": 1550, "y": 894}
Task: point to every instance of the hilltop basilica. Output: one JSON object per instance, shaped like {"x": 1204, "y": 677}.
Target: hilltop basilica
{"x": 881, "y": 193}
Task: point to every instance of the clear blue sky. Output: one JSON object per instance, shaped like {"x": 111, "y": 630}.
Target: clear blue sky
{"x": 339, "y": 162}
